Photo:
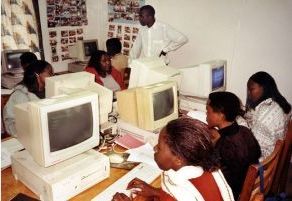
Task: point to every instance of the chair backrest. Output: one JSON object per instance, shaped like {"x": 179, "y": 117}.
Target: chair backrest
{"x": 281, "y": 174}
{"x": 251, "y": 185}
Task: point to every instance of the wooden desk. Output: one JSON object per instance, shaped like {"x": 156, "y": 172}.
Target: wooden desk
{"x": 10, "y": 187}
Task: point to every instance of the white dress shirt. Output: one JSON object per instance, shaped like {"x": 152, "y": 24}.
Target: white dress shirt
{"x": 159, "y": 37}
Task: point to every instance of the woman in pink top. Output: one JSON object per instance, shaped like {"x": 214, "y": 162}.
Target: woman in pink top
{"x": 106, "y": 75}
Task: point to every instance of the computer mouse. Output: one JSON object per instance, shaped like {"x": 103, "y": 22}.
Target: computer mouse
{"x": 116, "y": 158}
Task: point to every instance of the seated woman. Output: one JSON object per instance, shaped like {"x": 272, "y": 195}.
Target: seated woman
{"x": 267, "y": 111}
{"x": 191, "y": 170}
{"x": 32, "y": 87}
{"x": 106, "y": 75}
{"x": 27, "y": 58}
{"x": 118, "y": 60}
{"x": 236, "y": 146}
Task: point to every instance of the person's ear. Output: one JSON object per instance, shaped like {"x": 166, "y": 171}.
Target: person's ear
{"x": 179, "y": 162}
{"x": 222, "y": 116}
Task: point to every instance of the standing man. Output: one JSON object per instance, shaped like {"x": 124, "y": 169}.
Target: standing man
{"x": 155, "y": 38}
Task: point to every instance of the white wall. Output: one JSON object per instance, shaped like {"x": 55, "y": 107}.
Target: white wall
{"x": 252, "y": 35}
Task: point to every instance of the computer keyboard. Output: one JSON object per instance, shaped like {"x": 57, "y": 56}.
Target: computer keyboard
{"x": 142, "y": 171}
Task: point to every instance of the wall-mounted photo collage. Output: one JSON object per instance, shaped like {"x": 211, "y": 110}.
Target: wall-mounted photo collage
{"x": 123, "y": 18}
{"x": 66, "y": 13}
{"x": 126, "y": 33}
{"x": 65, "y": 20}
{"x": 61, "y": 39}
{"x": 124, "y": 11}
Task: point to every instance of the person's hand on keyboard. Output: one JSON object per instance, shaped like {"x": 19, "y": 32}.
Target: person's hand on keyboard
{"x": 139, "y": 187}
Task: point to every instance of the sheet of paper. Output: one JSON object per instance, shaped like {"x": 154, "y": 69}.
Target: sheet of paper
{"x": 199, "y": 115}
{"x": 144, "y": 153}
{"x": 12, "y": 145}
{"x": 5, "y": 158}
{"x": 8, "y": 147}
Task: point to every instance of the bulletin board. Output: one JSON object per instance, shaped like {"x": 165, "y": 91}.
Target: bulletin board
{"x": 65, "y": 20}
{"x": 123, "y": 21}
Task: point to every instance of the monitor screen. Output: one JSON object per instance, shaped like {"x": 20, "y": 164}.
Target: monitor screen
{"x": 217, "y": 78}
{"x": 149, "y": 107}
{"x": 11, "y": 61}
{"x": 70, "y": 126}
{"x": 89, "y": 48}
{"x": 55, "y": 129}
{"x": 83, "y": 49}
{"x": 202, "y": 79}
{"x": 163, "y": 104}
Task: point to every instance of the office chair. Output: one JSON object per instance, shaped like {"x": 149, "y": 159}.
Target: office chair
{"x": 251, "y": 186}
{"x": 281, "y": 174}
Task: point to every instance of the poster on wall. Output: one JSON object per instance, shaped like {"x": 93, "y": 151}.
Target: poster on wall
{"x": 123, "y": 21}
{"x": 65, "y": 20}
{"x": 66, "y": 13}
{"x": 60, "y": 40}
{"x": 127, "y": 34}
{"x": 124, "y": 11}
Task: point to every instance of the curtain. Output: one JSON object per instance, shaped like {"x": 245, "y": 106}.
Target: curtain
{"x": 18, "y": 25}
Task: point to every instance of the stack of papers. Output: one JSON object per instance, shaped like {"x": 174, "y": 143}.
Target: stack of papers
{"x": 8, "y": 147}
{"x": 144, "y": 154}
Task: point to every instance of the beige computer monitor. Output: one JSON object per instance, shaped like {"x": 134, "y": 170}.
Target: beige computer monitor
{"x": 149, "y": 107}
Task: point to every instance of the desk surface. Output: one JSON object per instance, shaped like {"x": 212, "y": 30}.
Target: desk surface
{"x": 11, "y": 187}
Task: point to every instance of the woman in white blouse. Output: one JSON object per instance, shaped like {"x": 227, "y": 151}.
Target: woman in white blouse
{"x": 267, "y": 111}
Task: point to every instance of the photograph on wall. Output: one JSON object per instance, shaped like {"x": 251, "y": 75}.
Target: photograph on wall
{"x": 66, "y": 13}
{"x": 127, "y": 33}
{"x": 79, "y": 37}
{"x": 59, "y": 41}
{"x": 65, "y": 56}
{"x": 124, "y": 11}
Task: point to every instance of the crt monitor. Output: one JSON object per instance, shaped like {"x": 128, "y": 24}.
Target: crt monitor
{"x": 80, "y": 81}
{"x": 10, "y": 61}
{"x": 149, "y": 107}
{"x": 200, "y": 80}
{"x": 150, "y": 70}
{"x": 55, "y": 129}
{"x": 82, "y": 49}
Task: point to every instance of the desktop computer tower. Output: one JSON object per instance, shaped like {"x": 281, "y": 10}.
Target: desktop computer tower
{"x": 64, "y": 180}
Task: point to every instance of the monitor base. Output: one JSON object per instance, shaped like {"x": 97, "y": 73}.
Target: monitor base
{"x": 76, "y": 66}
{"x": 64, "y": 180}
{"x": 192, "y": 103}
{"x": 9, "y": 81}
